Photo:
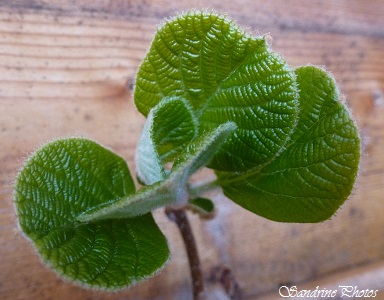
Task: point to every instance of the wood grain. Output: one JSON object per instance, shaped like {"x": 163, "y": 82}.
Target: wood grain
{"x": 67, "y": 68}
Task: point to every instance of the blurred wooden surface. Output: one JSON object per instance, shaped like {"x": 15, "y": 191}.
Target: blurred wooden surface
{"x": 64, "y": 68}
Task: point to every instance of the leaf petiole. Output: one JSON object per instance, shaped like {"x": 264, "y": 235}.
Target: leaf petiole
{"x": 201, "y": 188}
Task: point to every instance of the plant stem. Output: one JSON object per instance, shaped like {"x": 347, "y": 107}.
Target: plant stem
{"x": 180, "y": 218}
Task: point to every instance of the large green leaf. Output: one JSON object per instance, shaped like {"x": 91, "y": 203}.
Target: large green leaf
{"x": 57, "y": 184}
{"x": 224, "y": 74}
{"x": 295, "y": 153}
{"x": 315, "y": 172}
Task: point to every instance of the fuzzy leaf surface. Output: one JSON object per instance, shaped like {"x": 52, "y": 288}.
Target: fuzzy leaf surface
{"x": 149, "y": 168}
{"x": 315, "y": 172}
{"x": 58, "y": 183}
{"x": 173, "y": 128}
{"x": 169, "y": 128}
{"x": 225, "y": 75}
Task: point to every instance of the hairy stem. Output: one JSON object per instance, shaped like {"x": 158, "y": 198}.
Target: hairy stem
{"x": 180, "y": 218}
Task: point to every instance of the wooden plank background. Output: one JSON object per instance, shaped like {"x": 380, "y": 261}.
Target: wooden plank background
{"x": 64, "y": 70}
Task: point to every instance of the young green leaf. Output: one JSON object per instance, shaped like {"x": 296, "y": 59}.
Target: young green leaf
{"x": 315, "y": 172}
{"x": 149, "y": 168}
{"x": 201, "y": 150}
{"x": 170, "y": 126}
{"x": 58, "y": 183}
{"x": 174, "y": 127}
{"x": 173, "y": 191}
{"x": 224, "y": 74}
